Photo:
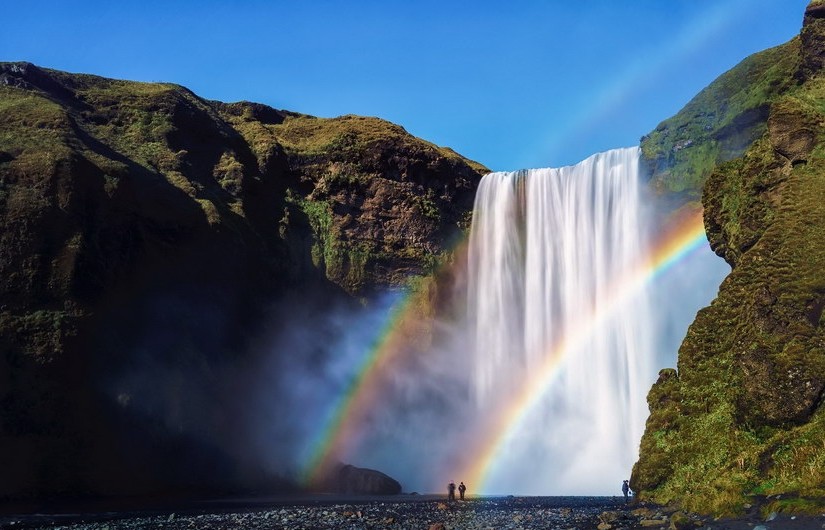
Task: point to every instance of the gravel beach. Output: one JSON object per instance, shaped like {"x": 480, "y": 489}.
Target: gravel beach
{"x": 403, "y": 512}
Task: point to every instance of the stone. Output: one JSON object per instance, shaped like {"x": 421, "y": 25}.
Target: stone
{"x": 680, "y": 521}
{"x": 650, "y": 523}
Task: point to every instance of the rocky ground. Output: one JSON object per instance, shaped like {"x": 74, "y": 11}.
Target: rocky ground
{"x": 409, "y": 512}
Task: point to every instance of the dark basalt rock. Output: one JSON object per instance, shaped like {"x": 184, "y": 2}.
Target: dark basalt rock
{"x": 362, "y": 481}
{"x": 813, "y": 40}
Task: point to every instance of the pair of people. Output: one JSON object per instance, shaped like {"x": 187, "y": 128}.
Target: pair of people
{"x": 451, "y": 491}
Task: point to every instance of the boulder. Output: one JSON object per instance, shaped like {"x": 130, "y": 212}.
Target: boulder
{"x": 362, "y": 481}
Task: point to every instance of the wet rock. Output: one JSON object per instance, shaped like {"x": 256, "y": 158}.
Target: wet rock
{"x": 652, "y": 523}
{"x": 680, "y": 521}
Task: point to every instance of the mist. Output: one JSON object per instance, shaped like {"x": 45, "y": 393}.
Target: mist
{"x": 678, "y": 294}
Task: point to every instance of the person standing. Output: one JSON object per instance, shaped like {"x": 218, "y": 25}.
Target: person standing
{"x": 461, "y": 489}
{"x": 625, "y": 490}
{"x": 451, "y": 491}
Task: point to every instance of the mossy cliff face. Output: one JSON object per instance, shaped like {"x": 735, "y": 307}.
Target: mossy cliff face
{"x": 743, "y": 414}
{"x": 373, "y": 204}
{"x": 141, "y": 225}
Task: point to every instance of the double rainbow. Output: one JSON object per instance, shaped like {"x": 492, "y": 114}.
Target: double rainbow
{"x": 684, "y": 235}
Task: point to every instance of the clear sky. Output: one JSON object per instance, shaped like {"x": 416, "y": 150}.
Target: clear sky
{"x": 510, "y": 83}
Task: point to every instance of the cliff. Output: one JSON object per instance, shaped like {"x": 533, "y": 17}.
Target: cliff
{"x": 143, "y": 226}
{"x": 740, "y": 423}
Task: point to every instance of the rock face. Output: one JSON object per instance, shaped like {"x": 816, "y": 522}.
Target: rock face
{"x": 143, "y": 226}
{"x": 813, "y": 40}
{"x": 743, "y": 415}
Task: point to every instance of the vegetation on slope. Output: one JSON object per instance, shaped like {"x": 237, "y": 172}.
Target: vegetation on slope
{"x": 719, "y": 123}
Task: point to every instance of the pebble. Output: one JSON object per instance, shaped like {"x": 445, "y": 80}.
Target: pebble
{"x": 510, "y": 513}
{"x": 483, "y": 513}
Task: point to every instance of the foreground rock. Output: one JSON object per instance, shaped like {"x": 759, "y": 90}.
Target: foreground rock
{"x": 492, "y": 513}
{"x": 361, "y": 481}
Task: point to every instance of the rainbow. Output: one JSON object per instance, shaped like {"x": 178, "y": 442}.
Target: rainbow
{"x": 403, "y": 328}
{"x": 686, "y": 235}
{"x": 332, "y": 442}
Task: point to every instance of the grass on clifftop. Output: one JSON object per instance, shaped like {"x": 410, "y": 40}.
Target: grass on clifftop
{"x": 307, "y": 136}
{"x": 720, "y": 122}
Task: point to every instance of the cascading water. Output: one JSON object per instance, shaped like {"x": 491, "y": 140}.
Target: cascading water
{"x": 549, "y": 250}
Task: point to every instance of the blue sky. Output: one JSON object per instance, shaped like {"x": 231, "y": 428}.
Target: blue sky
{"x": 512, "y": 84}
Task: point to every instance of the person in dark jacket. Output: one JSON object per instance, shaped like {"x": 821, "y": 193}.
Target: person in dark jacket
{"x": 461, "y": 489}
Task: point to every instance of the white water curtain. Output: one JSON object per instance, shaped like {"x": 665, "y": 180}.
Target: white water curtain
{"x": 549, "y": 249}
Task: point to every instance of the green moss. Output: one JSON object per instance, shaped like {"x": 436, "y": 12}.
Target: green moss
{"x": 794, "y": 505}
{"x": 324, "y": 247}
{"x": 33, "y": 130}
{"x": 308, "y": 136}
{"x": 426, "y": 204}
{"x": 41, "y": 333}
{"x": 342, "y": 261}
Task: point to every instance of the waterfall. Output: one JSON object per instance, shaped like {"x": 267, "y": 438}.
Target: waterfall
{"x": 548, "y": 249}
